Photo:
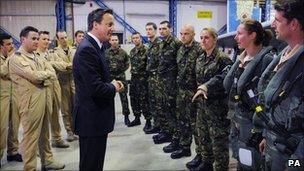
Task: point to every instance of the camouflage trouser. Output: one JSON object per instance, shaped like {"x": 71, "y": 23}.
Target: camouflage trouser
{"x": 154, "y": 95}
{"x": 123, "y": 95}
{"x": 186, "y": 117}
{"x": 169, "y": 92}
{"x": 214, "y": 131}
{"x": 139, "y": 96}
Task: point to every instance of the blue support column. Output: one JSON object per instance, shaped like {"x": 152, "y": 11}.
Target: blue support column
{"x": 60, "y": 15}
{"x": 266, "y": 7}
{"x": 173, "y": 15}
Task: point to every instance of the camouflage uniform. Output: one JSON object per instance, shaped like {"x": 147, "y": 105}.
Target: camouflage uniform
{"x": 118, "y": 61}
{"x": 139, "y": 82}
{"x": 167, "y": 70}
{"x": 186, "y": 83}
{"x": 154, "y": 92}
{"x": 212, "y": 124}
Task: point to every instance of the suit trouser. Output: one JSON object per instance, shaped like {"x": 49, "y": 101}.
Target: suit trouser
{"x": 54, "y": 116}
{"x": 67, "y": 103}
{"x": 14, "y": 123}
{"x": 4, "y": 115}
{"x": 92, "y": 152}
{"x": 35, "y": 122}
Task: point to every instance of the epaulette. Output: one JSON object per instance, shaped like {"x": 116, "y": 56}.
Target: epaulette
{"x": 17, "y": 53}
{"x": 56, "y": 48}
{"x": 74, "y": 47}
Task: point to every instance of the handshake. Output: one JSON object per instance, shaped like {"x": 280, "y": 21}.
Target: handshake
{"x": 118, "y": 85}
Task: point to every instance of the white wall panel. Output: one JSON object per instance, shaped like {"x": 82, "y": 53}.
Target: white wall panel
{"x": 16, "y": 14}
{"x": 187, "y": 14}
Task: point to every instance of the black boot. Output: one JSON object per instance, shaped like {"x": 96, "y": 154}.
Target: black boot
{"x": 173, "y": 146}
{"x": 153, "y": 130}
{"x": 162, "y": 138}
{"x": 204, "y": 166}
{"x": 157, "y": 135}
{"x": 182, "y": 152}
{"x": 17, "y": 157}
{"x": 135, "y": 122}
{"x": 127, "y": 120}
{"x": 147, "y": 126}
{"x": 194, "y": 162}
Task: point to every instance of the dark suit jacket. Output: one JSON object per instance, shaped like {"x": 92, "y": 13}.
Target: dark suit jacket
{"x": 93, "y": 113}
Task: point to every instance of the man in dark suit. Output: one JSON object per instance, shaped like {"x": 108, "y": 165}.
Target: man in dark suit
{"x": 93, "y": 113}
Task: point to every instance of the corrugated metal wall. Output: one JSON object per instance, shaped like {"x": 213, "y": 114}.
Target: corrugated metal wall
{"x": 16, "y": 14}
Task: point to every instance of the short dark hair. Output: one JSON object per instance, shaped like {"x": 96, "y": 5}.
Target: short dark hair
{"x": 292, "y": 9}
{"x": 4, "y": 36}
{"x": 135, "y": 33}
{"x": 114, "y": 34}
{"x": 43, "y": 32}
{"x": 59, "y": 31}
{"x": 78, "y": 32}
{"x": 25, "y": 31}
{"x": 97, "y": 16}
{"x": 166, "y": 22}
{"x": 151, "y": 24}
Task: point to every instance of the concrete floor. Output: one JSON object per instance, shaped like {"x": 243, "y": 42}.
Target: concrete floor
{"x": 128, "y": 149}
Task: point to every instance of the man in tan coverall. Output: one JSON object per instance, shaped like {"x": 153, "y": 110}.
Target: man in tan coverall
{"x": 66, "y": 53}
{"x": 6, "y": 50}
{"x": 57, "y": 64}
{"x": 33, "y": 78}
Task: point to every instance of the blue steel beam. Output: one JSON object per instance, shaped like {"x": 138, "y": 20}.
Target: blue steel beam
{"x": 173, "y": 15}
{"x": 60, "y": 15}
{"x": 117, "y": 17}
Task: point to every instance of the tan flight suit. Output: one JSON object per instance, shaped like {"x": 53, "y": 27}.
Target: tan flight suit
{"x": 67, "y": 87}
{"x": 59, "y": 65}
{"x": 5, "y": 96}
{"x": 33, "y": 77}
{"x": 14, "y": 121}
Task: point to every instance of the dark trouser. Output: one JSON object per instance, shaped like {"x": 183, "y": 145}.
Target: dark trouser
{"x": 92, "y": 153}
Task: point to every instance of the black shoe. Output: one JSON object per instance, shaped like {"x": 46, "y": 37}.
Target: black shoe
{"x": 147, "y": 126}
{"x": 194, "y": 162}
{"x": 173, "y": 146}
{"x": 16, "y": 157}
{"x": 135, "y": 122}
{"x": 153, "y": 130}
{"x": 157, "y": 135}
{"x": 127, "y": 120}
{"x": 163, "y": 138}
{"x": 183, "y": 152}
{"x": 204, "y": 166}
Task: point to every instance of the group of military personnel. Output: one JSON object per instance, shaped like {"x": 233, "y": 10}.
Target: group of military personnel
{"x": 36, "y": 83}
{"x": 186, "y": 89}
{"x": 183, "y": 88}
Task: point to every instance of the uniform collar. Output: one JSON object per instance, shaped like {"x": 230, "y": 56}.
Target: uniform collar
{"x": 23, "y": 51}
